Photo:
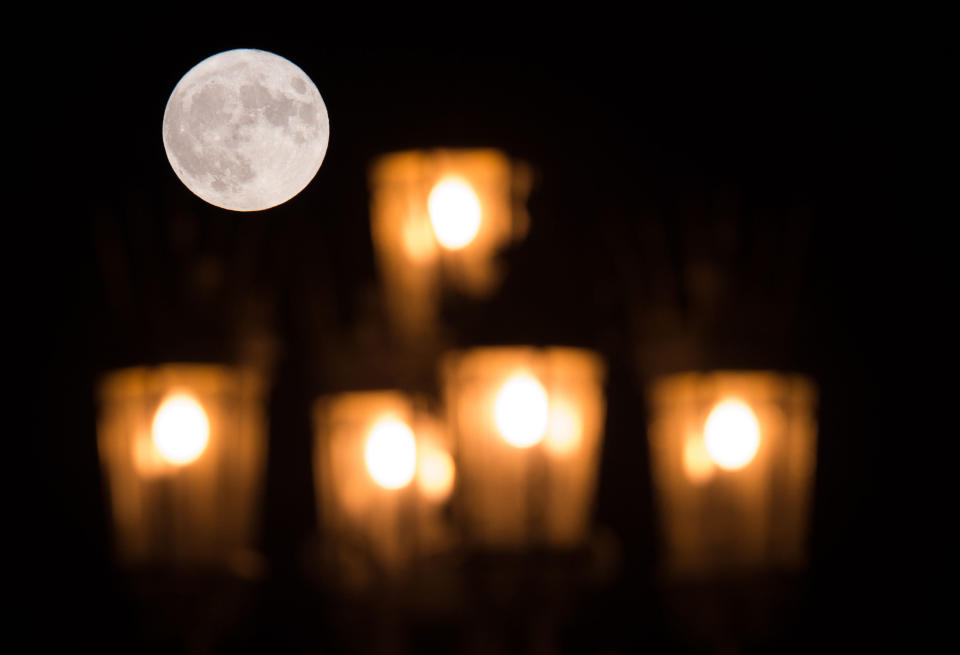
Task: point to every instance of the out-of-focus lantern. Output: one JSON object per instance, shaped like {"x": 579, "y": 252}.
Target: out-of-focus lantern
{"x": 438, "y": 218}
{"x": 527, "y": 424}
{"x": 383, "y": 473}
{"x": 183, "y": 452}
{"x": 733, "y": 455}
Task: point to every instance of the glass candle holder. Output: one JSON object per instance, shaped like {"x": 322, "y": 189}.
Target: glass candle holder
{"x": 438, "y": 218}
{"x": 733, "y": 457}
{"x": 383, "y": 475}
{"x": 183, "y": 448}
{"x": 527, "y": 425}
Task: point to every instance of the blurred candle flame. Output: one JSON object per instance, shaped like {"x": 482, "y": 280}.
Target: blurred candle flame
{"x": 454, "y": 213}
{"x": 521, "y": 411}
{"x": 391, "y": 454}
{"x": 181, "y": 429}
{"x": 731, "y": 434}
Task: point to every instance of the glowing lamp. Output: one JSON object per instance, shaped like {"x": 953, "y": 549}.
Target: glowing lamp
{"x": 182, "y": 448}
{"x": 382, "y": 471}
{"x": 438, "y": 218}
{"x": 527, "y": 424}
{"x": 733, "y": 457}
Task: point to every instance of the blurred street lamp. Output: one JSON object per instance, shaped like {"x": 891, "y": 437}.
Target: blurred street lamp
{"x": 383, "y": 473}
{"x": 733, "y": 456}
{"x": 527, "y": 424}
{"x": 438, "y": 219}
{"x": 183, "y": 452}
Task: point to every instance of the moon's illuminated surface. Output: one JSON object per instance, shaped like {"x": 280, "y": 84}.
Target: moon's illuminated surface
{"x": 245, "y": 130}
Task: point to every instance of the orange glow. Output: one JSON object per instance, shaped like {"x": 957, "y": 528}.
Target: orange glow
{"x": 521, "y": 411}
{"x": 697, "y": 462}
{"x": 732, "y": 434}
{"x": 181, "y": 429}
{"x": 454, "y": 213}
{"x": 733, "y": 456}
{"x": 438, "y": 218}
{"x": 564, "y": 430}
{"x": 418, "y": 240}
{"x": 435, "y": 473}
{"x": 391, "y": 454}
{"x": 503, "y": 401}
{"x": 146, "y": 457}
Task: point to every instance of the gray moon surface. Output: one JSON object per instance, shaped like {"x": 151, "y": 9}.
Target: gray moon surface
{"x": 245, "y": 130}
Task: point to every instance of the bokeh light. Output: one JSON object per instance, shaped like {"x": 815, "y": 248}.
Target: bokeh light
{"x": 418, "y": 240}
{"x": 435, "y": 473}
{"x": 697, "y": 462}
{"x": 521, "y": 411}
{"x": 454, "y": 213}
{"x": 564, "y": 429}
{"x": 732, "y": 434}
{"x": 181, "y": 429}
{"x": 391, "y": 453}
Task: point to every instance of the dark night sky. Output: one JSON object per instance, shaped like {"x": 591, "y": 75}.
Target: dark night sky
{"x": 637, "y": 144}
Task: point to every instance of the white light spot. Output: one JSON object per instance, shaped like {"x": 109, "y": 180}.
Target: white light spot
{"x": 180, "y": 429}
{"x": 521, "y": 411}
{"x": 391, "y": 454}
{"x": 454, "y": 213}
{"x": 731, "y": 434}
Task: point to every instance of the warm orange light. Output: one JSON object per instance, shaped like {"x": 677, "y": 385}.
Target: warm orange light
{"x": 180, "y": 429}
{"x": 696, "y": 460}
{"x": 391, "y": 454}
{"x": 435, "y": 473}
{"x": 731, "y": 434}
{"x": 521, "y": 411}
{"x": 418, "y": 240}
{"x": 733, "y": 456}
{"x": 564, "y": 429}
{"x": 501, "y": 402}
{"x": 454, "y": 213}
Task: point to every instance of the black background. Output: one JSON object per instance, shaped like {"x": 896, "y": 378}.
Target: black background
{"x": 637, "y": 138}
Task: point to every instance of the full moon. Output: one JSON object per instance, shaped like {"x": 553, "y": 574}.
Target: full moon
{"x": 245, "y": 130}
